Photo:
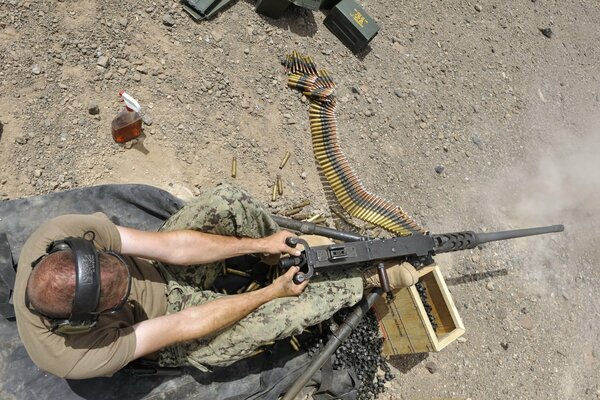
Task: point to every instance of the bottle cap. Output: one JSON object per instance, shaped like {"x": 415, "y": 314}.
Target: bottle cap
{"x": 130, "y": 103}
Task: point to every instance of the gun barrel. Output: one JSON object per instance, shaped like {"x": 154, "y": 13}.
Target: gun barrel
{"x": 517, "y": 233}
{"x": 468, "y": 240}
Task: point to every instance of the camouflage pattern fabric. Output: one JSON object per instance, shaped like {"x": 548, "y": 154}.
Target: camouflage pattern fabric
{"x": 228, "y": 210}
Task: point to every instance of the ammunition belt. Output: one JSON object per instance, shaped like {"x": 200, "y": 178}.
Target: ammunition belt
{"x": 319, "y": 88}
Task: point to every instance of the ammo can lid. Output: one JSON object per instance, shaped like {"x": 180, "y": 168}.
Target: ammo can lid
{"x": 358, "y": 17}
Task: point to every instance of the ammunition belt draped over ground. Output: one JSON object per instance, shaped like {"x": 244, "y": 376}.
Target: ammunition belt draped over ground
{"x": 319, "y": 88}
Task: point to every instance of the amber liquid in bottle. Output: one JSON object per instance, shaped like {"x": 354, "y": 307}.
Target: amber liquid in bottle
{"x": 126, "y": 126}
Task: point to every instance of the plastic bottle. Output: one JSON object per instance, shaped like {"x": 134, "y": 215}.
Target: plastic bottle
{"x": 127, "y": 125}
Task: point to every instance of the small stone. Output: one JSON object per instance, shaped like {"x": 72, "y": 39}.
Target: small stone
{"x": 147, "y": 119}
{"x": 102, "y": 61}
{"x": 93, "y": 108}
{"x": 461, "y": 340}
{"x": 123, "y": 22}
{"x": 35, "y": 69}
{"x": 399, "y": 93}
{"x": 21, "y": 140}
{"x": 478, "y": 7}
{"x": 137, "y": 77}
{"x": 168, "y": 20}
{"x": 431, "y": 367}
{"x": 504, "y": 345}
{"x": 546, "y": 32}
{"x": 490, "y": 286}
{"x": 246, "y": 51}
{"x": 439, "y": 169}
{"x": 37, "y": 173}
{"x": 303, "y": 174}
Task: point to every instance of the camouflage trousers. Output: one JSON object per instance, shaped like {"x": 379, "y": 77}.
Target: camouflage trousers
{"x": 227, "y": 210}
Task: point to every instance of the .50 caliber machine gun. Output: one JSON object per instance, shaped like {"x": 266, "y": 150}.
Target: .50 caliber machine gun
{"x": 417, "y": 249}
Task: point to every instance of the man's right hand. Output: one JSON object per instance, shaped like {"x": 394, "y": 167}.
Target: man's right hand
{"x": 284, "y": 286}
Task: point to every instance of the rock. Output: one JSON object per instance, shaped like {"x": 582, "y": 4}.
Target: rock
{"x": 546, "y": 32}
{"x": 490, "y": 286}
{"x": 478, "y": 7}
{"x": 37, "y": 173}
{"x": 439, "y": 169}
{"x": 35, "y": 69}
{"x": 93, "y": 108}
{"x": 147, "y": 119}
{"x": 137, "y": 77}
{"x": 431, "y": 367}
{"x": 399, "y": 93}
{"x": 168, "y": 20}
{"x": 21, "y": 140}
{"x": 103, "y": 61}
{"x": 123, "y": 22}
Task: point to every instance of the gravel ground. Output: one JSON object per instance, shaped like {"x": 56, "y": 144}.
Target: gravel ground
{"x": 480, "y": 116}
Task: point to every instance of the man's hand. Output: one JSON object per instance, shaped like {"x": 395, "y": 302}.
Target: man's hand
{"x": 275, "y": 244}
{"x": 284, "y": 286}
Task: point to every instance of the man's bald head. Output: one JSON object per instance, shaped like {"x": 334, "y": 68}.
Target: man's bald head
{"x": 51, "y": 285}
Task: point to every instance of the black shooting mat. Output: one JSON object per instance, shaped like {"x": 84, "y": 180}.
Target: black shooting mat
{"x": 143, "y": 207}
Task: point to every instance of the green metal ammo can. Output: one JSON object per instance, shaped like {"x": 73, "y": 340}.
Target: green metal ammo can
{"x": 272, "y": 8}
{"x": 310, "y": 4}
{"x": 352, "y": 25}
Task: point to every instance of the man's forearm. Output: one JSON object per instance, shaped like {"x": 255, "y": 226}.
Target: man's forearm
{"x": 186, "y": 247}
{"x": 198, "y": 321}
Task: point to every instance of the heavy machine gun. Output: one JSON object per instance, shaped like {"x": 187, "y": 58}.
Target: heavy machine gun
{"x": 417, "y": 249}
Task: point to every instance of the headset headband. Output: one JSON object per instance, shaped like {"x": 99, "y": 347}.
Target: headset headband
{"x": 84, "y": 312}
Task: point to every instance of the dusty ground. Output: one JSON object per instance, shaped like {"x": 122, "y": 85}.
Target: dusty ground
{"x": 511, "y": 115}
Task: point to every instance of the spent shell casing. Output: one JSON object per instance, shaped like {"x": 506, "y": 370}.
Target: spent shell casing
{"x": 256, "y": 352}
{"x": 279, "y": 185}
{"x": 311, "y": 219}
{"x": 292, "y": 211}
{"x": 274, "y": 193}
{"x": 285, "y": 160}
{"x": 303, "y": 203}
{"x": 295, "y": 344}
{"x": 300, "y": 217}
{"x": 237, "y": 272}
{"x": 234, "y": 167}
{"x": 320, "y": 221}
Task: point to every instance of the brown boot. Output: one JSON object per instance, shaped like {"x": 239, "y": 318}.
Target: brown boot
{"x": 400, "y": 275}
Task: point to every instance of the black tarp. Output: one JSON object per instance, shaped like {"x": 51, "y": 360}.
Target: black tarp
{"x": 142, "y": 207}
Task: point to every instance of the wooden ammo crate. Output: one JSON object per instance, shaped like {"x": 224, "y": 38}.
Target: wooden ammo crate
{"x": 411, "y": 331}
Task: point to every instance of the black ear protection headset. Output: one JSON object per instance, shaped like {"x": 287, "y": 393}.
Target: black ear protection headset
{"x": 84, "y": 314}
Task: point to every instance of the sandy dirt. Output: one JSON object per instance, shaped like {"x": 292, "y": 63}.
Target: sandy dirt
{"x": 462, "y": 113}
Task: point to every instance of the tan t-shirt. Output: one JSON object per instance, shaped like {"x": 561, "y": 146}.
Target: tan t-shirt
{"x": 110, "y": 345}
